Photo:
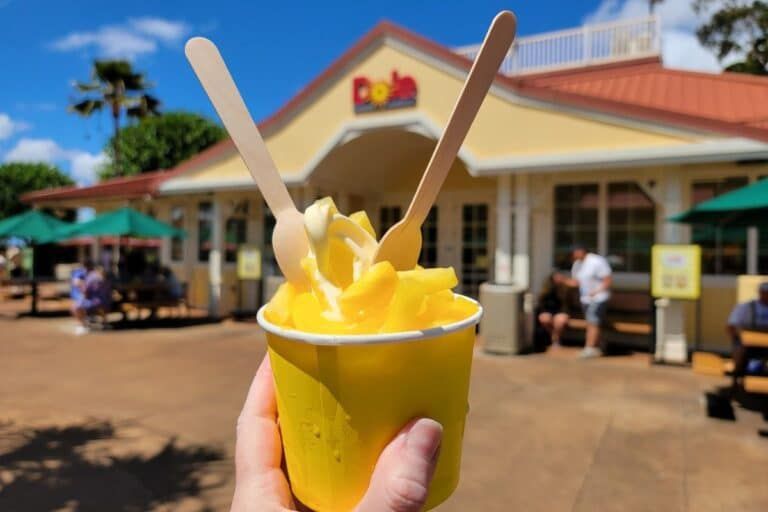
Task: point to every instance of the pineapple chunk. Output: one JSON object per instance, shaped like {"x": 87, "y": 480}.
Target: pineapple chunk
{"x": 404, "y": 308}
{"x": 361, "y": 219}
{"x": 373, "y": 291}
{"x": 278, "y": 311}
{"x": 430, "y": 280}
{"x": 340, "y": 263}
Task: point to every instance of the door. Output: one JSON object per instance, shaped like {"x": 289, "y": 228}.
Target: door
{"x": 475, "y": 260}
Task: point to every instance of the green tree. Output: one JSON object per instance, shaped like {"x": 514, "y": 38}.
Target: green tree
{"x": 160, "y": 142}
{"x": 115, "y": 85}
{"x": 738, "y": 30}
{"x": 17, "y": 178}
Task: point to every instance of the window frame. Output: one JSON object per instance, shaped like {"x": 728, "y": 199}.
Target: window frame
{"x": 177, "y": 239}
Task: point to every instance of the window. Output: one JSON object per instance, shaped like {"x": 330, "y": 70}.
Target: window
{"x": 631, "y": 227}
{"x": 428, "y": 256}
{"x": 235, "y": 230}
{"x": 269, "y": 263}
{"x": 576, "y": 211}
{"x": 204, "y": 230}
{"x": 474, "y": 250}
{"x": 177, "y": 243}
{"x": 723, "y": 250}
{"x": 388, "y": 216}
{"x": 234, "y": 236}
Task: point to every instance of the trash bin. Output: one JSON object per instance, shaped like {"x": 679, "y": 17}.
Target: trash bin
{"x": 502, "y": 324}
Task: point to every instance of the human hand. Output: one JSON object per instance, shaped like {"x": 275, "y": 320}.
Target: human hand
{"x": 399, "y": 482}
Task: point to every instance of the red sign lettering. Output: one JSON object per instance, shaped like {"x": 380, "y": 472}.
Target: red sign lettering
{"x": 369, "y": 95}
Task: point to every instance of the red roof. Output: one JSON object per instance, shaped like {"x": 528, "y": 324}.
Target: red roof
{"x": 129, "y": 187}
{"x": 734, "y": 98}
{"x": 728, "y": 103}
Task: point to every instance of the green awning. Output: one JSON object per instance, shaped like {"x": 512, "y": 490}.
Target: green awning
{"x": 33, "y": 225}
{"x": 124, "y": 222}
{"x": 743, "y": 207}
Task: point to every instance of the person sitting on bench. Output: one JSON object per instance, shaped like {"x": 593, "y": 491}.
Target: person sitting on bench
{"x": 553, "y": 309}
{"x": 751, "y": 315}
{"x": 96, "y": 298}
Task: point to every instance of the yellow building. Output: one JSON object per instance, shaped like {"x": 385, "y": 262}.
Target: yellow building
{"x": 598, "y": 150}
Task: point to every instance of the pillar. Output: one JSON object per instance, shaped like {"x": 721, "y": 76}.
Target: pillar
{"x": 215, "y": 258}
{"x": 503, "y": 255}
{"x": 521, "y": 260}
{"x": 672, "y": 204}
{"x": 753, "y": 247}
{"x": 671, "y": 338}
{"x": 164, "y": 213}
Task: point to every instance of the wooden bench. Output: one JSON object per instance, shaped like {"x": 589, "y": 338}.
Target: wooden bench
{"x": 629, "y": 319}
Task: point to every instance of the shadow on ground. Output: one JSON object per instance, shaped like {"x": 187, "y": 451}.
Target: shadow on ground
{"x": 162, "y": 322}
{"x": 72, "y": 468}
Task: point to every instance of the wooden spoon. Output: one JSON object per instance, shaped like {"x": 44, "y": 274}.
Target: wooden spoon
{"x": 402, "y": 243}
{"x": 289, "y": 239}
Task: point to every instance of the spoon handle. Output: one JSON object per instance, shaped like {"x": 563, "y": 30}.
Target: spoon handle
{"x": 221, "y": 89}
{"x": 495, "y": 47}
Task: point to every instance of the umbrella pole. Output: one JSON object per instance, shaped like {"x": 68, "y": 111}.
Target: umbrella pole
{"x": 33, "y": 282}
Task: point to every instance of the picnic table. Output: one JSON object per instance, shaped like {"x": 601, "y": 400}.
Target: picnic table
{"x": 33, "y": 283}
{"x": 150, "y": 296}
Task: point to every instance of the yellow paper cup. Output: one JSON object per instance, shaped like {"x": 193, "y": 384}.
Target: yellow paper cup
{"x": 342, "y": 399}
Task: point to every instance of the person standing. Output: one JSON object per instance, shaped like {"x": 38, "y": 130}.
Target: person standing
{"x": 591, "y": 273}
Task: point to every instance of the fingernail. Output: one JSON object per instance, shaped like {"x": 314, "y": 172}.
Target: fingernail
{"x": 424, "y": 438}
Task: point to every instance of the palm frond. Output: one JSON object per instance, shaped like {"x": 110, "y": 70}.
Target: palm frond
{"x": 86, "y": 87}
{"x": 112, "y": 71}
{"x": 86, "y": 107}
{"x": 143, "y": 106}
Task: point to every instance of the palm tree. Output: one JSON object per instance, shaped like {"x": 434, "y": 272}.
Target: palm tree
{"x": 115, "y": 85}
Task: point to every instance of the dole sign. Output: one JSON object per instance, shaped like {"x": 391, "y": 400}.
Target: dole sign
{"x": 369, "y": 95}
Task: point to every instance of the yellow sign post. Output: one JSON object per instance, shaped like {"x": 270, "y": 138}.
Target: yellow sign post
{"x": 248, "y": 262}
{"x": 676, "y": 271}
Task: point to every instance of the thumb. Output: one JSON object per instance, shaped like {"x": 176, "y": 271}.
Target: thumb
{"x": 401, "y": 478}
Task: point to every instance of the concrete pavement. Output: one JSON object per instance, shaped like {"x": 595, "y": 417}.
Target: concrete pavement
{"x": 144, "y": 420}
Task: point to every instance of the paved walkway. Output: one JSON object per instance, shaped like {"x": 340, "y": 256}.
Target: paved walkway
{"x": 144, "y": 420}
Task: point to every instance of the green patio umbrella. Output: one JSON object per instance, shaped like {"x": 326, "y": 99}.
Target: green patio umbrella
{"x": 123, "y": 222}
{"x": 743, "y": 207}
{"x": 37, "y": 228}
{"x": 33, "y": 225}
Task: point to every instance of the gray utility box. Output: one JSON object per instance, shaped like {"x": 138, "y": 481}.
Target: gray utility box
{"x": 502, "y": 325}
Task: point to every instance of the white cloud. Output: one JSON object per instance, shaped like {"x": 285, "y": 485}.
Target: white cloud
{"x": 680, "y": 47}
{"x": 10, "y": 127}
{"x": 137, "y": 37}
{"x": 40, "y": 106}
{"x": 159, "y": 28}
{"x": 82, "y": 164}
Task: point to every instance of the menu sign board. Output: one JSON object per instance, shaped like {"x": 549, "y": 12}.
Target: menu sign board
{"x": 248, "y": 262}
{"x": 676, "y": 271}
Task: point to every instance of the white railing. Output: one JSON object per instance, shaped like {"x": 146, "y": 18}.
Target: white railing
{"x": 590, "y": 44}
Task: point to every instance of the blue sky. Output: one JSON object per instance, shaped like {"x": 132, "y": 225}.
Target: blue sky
{"x": 272, "y": 48}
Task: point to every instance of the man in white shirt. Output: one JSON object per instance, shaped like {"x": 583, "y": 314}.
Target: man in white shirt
{"x": 591, "y": 273}
{"x": 751, "y": 315}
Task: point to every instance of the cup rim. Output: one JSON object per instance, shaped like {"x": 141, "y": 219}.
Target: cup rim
{"x": 369, "y": 339}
